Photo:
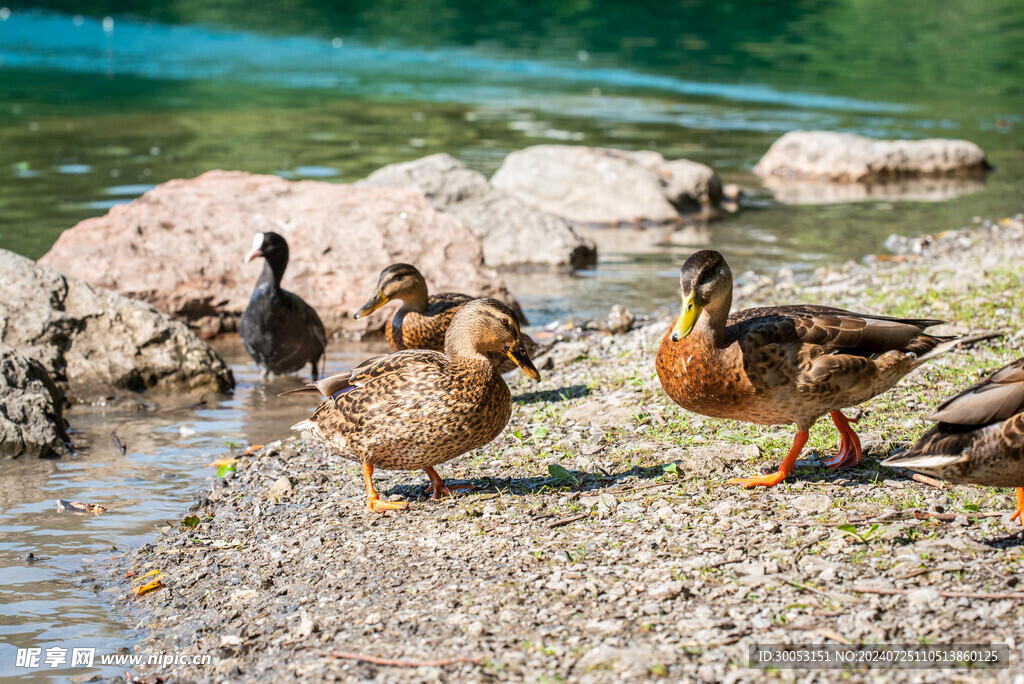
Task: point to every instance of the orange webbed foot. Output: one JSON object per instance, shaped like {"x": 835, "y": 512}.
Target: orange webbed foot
{"x": 373, "y": 502}
{"x": 850, "y": 452}
{"x": 438, "y": 490}
{"x": 379, "y": 506}
{"x": 769, "y": 480}
{"x": 784, "y": 471}
{"x": 1018, "y": 515}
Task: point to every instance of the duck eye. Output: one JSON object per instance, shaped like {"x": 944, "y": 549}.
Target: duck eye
{"x": 504, "y": 322}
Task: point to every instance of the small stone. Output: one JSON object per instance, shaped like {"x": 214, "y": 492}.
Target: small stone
{"x": 281, "y": 489}
{"x": 666, "y": 590}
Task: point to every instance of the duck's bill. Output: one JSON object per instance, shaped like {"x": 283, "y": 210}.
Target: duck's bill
{"x": 257, "y": 248}
{"x": 522, "y": 359}
{"x": 687, "y": 317}
{"x": 376, "y": 301}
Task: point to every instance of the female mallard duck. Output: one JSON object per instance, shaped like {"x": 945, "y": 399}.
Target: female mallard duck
{"x": 281, "y": 332}
{"x": 417, "y": 408}
{"x": 782, "y": 364}
{"x": 978, "y": 437}
{"x": 421, "y": 321}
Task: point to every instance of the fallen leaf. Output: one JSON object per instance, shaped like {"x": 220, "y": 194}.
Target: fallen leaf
{"x": 146, "y": 588}
{"x": 226, "y": 461}
{"x": 252, "y": 449}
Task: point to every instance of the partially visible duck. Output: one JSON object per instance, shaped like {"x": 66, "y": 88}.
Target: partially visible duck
{"x": 978, "y": 437}
{"x": 421, "y": 320}
{"x": 417, "y": 408}
{"x": 281, "y": 332}
{"x": 782, "y": 365}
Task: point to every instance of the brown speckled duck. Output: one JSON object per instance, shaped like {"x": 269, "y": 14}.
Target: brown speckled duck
{"x": 782, "y": 365}
{"x": 978, "y": 437}
{"x": 418, "y": 408}
{"x": 421, "y": 321}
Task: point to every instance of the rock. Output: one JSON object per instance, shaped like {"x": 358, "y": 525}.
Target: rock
{"x": 31, "y": 419}
{"x": 842, "y": 157}
{"x": 926, "y": 189}
{"x": 620, "y": 320}
{"x": 599, "y": 413}
{"x": 512, "y": 232}
{"x": 606, "y": 187}
{"x": 180, "y": 246}
{"x": 633, "y": 661}
{"x": 812, "y": 503}
{"x": 666, "y": 590}
{"x": 91, "y": 340}
{"x": 281, "y": 489}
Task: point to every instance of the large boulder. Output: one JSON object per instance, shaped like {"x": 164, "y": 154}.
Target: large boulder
{"x": 181, "y": 245}
{"x": 842, "y": 157}
{"x": 513, "y": 233}
{"x": 91, "y": 340}
{"x": 31, "y": 409}
{"x": 605, "y": 187}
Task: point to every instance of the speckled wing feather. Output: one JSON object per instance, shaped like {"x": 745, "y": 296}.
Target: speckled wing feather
{"x": 822, "y": 349}
{"x": 997, "y": 397}
{"x": 979, "y": 434}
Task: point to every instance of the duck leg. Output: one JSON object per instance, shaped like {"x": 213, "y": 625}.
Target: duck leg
{"x": 437, "y": 488}
{"x": 1018, "y": 515}
{"x": 373, "y": 503}
{"x": 785, "y": 469}
{"x": 850, "y": 453}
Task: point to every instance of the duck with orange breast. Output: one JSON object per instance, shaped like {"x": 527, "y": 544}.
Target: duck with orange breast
{"x": 783, "y": 365}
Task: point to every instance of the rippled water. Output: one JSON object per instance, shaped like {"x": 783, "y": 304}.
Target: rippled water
{"x": 43, "y": 603}
{"x": 98, "y": 106}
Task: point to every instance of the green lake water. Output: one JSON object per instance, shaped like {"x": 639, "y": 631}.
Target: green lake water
{"x": 99, "y": 101}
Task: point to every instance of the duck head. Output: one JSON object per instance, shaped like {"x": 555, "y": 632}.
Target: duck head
{"x": 483, "y": 326}
{"x": 706, "y": 283}
{"x": 397, "y": 281}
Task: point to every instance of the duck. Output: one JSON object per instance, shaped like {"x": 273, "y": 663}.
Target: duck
{"x": 417, "y": 408}
{"x": 421, "y": 320}
{"x": 783, "y": 365}
{"x": 978, "y": 436}
{"x": 279, "y": 330}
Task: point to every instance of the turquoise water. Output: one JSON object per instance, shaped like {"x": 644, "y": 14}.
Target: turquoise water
{"x": 101, "y": 101}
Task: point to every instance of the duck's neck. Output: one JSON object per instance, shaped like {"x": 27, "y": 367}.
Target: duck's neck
{"x": 415, "y": 299}
{"x": 711, "y": 323}
{"x": 273, "y": 271}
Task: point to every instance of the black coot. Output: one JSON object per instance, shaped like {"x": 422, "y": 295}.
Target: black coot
{"x": 281, "y": 332}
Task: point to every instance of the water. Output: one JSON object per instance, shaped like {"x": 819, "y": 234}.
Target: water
{"x": 98, "y": 105}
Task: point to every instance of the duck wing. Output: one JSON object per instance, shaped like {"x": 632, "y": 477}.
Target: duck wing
{"x": 997, "y": 397}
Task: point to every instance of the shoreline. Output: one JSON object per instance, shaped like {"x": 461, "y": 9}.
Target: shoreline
{"x": 622, "y": 569}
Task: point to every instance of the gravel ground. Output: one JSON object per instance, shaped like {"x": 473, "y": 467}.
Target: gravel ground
{"x": 604, "y": 543}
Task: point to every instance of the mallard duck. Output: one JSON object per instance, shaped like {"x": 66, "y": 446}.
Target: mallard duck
{"x": 978, "y": 437}
{"x": 281, "y": 332}
{"x": 782, "y": 365}
{"x": 421, "y": 320}
{"x": 417, "y": 408}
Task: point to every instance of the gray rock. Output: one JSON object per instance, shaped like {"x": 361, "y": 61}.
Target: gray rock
{"x": 91, "y": 340}
{"x": 512, "y": 232}
{"x": 606, "y": 187}
{"x": 635, "y": 661}
{"x": 602, "y": 414}
{"x": 842, "y": 157}
{"x": 31, "y": 420}
{"x": 180, "y": 246}
{"x": 620, "y": 320}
